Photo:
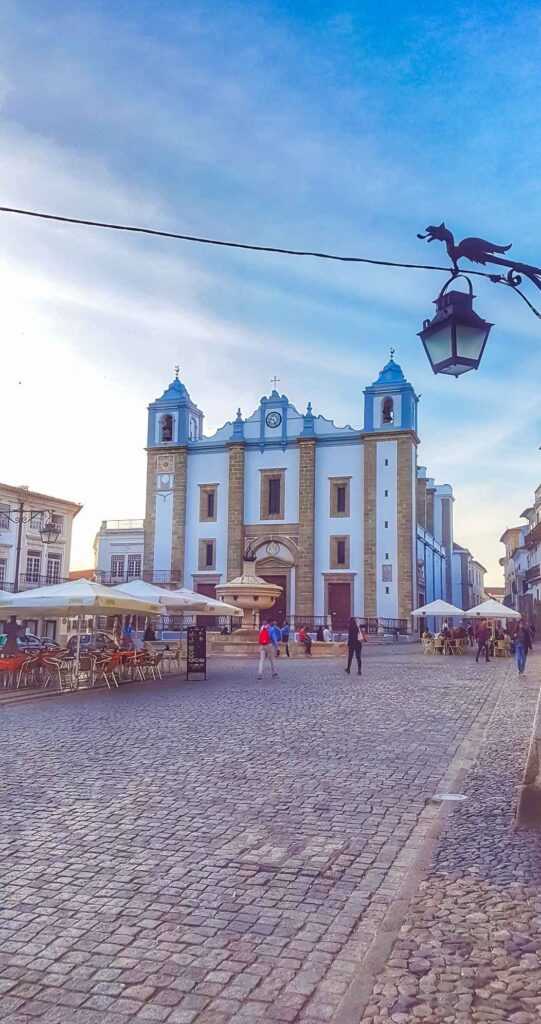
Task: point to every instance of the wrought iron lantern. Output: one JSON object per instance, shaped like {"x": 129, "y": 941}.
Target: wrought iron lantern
{"x": 454, "y": 340}
{"x": 50, "y": 531}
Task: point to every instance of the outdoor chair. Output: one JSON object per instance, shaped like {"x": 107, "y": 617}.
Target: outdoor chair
{"x": 30, "y": 671}
{"x": 106, "y": 668}
{"x": 60, "y": 669}
{"x": 152, "y": 665}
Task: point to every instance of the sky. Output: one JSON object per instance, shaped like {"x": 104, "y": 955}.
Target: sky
{"x": 346, "y": 127}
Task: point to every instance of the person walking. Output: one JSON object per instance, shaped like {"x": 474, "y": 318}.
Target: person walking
{"x": 266, "y": 651}
{"x": 276, "y": 636}
{"x": 285, "y": 636}
{"x": 355, "y": 645}
{"x": 523, "y": 644}
{"x": 483, "y": 637}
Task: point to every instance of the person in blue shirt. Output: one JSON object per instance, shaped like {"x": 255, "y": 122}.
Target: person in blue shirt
{"x": 285, "y": 636}
{"x": 276, "y": 636}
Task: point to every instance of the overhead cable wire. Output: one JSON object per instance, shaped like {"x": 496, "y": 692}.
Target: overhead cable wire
{"x": 228, "y": 244}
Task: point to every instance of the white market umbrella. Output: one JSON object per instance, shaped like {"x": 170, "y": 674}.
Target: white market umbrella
{"x": 211, "y": 605}
{"x": 177, "y": 600}
{"x": 437, "y": 610}
{"x": 74, "y": 598}
{"x": 492, "y": 609}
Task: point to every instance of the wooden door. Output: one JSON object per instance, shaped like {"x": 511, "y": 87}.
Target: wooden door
{"x": 278, "y": 611}
{"x": 339, "y": 604}
{"x": 208, "y": 590}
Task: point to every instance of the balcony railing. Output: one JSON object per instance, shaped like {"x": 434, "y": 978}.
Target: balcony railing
{"x": 533, "y": 573}
{"x": 122, "y": 524}
{"x": 161, "y": 578}
{"x": 533, "y": 537}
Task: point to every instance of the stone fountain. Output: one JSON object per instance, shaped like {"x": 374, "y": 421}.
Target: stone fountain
{"x": 254, "y": 595}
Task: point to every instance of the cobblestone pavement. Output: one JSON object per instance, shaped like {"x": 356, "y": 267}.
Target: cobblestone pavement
{"x": 469, "y": 949}
{"x": 226, "y": 851}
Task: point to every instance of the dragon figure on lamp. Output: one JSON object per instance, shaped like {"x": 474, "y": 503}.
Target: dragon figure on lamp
{"x": 478, "y": 250}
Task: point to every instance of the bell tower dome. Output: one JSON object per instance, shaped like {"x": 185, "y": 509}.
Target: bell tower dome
{"x": 390, "y": 403}
{"x": 174, "y": 419}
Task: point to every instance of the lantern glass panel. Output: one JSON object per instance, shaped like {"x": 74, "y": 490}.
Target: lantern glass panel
{"x": 470, "y": 341}
{"x": 440, "y": 344}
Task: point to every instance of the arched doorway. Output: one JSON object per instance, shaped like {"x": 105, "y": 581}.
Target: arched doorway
{"x": 275, "y": 563}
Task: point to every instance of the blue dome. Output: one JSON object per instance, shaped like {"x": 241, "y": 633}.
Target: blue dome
{"x": 174, "y": 392}
{"x": 391, "y": 374}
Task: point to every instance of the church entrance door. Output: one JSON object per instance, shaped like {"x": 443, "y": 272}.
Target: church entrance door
{"x": 279, "y": 608}
{"x": 339, "y": 604}
{"x": 208, "y": 590}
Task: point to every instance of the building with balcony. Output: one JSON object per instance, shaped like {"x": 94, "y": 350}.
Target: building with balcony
{"x": 26, "y": 560}
{"x": 521, "y": 563}
{"x": 118, "y": 551}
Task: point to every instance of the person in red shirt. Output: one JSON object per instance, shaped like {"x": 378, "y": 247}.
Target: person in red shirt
{"x": 483, "y": 637}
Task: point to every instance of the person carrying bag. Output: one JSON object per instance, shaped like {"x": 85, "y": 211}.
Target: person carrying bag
{"x": 356, "y": 638}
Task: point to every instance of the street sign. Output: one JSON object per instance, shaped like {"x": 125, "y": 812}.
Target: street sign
{"x": 196, "y": 656}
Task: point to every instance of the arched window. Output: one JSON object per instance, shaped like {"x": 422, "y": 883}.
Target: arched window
{"x": 387, "y": 412}
{"x": 166, "y": 428}
{"x": 193, "y": 429}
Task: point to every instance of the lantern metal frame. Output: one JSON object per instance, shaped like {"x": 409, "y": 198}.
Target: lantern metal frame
{"x": 449, "y": 317}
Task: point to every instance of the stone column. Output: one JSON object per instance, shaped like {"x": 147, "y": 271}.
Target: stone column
{"x": 370, "y": 578}
{"x": 150, "y": 516}
{"x": 235, "y": 512}
{"x": 180, "y": 469}
{"x": 407, "y": 570}
{"x": 304, "y": 576}
{"x": 421, "y": 502}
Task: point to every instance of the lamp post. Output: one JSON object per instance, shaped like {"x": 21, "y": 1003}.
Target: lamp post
{"x": 49, "y": 532}
{"x": 454, "y": 340}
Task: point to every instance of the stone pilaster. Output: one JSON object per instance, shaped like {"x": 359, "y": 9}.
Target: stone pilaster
{"x": 430, "y": 510}
{"x": 235, "y": 512}
{"x": 304, "y": 576}
{"x": 150, "y": 516}
{"x": 370, "y": 571}
{"x": 405, "y": 520}
{"x": 421, "y": 502}
{"x": 180, "y": 469}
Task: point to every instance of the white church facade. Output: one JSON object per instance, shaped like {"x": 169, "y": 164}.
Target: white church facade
{"x": 343, "y": 519}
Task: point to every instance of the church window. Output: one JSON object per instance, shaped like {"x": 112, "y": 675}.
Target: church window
{"x": 339, "y": 553}
{"x": 387, "y": 573}
{"x": 208, "y": 502}
{"x": 339, "y": 497}
{"x": 387, "y": 590}
{"x": 387, "y": 410}
{"x": 207, "y": 554}
{"x": 193, "y": 429}
{"x": 386, "y": 524}
{"x": 272, "y": 494}
{"x": 386, "y": 462}
{"x": 386, "y": 494}
{"x": 166, "y": 428}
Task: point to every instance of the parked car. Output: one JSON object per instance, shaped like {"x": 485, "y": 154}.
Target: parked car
{"x": 32, "y": 643}
{"x": 92, "y": 642}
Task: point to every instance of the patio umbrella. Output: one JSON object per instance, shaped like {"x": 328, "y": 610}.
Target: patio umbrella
{"x": 74, "y": 598}
{"x": 211, "y": 605}
{"x": 178, "y": 600}
{"x": 437, "y": 610}
{"x": 492, "y": 609}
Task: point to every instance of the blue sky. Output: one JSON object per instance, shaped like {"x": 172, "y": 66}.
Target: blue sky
{"x": 348, "y": 127}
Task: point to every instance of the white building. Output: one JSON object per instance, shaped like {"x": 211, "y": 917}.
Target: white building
{"x": 118, "y": 550}
{"x": 341, "y": 518}
{"x": 26, "y": 560}
{"x": 468, "y": 579}
{"x": 522, "y": 563}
